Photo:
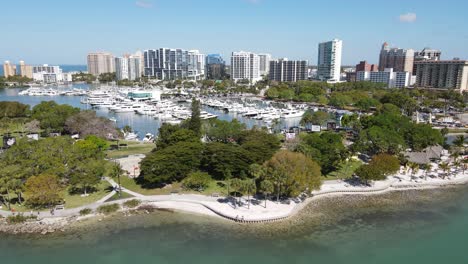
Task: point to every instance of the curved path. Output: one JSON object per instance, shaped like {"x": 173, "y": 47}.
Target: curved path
{"x": 257, "y": 211}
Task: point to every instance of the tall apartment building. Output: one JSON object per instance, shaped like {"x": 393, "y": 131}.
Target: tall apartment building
{"x": 364, "y": 66}
{"x": 329, "y": 60}
{"x": 400, "y": 60}
{"x": 284, "y": 70}
{"x": 427, "y": 54}
{"x": 245, "y": 66}
{"x": 100, "y": 62}
{"x": 127, "y": 68}
{"x": 215, "y": 67}
{"x": 264, "y": 66}
{"x": 172, "y": 64}
{"x": 9, "y": 69}
{"x": 26, "y": 70}
{"x": 141, "y": 57}
{"x": 121, "y": 68}
{"x": 196, "y": 65}
{"x": 388, "y": 76}
{"x": 447, "y": 74}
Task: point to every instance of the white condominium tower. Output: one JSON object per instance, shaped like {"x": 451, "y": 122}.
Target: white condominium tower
{"x": 245, "y": 66}
{"x": 264, "y": 63}
{"x": 173, "y": 64}
{"x": 127, "y": 68}
{"x": 329, "y": 60}
{"x": 100, "y": 62}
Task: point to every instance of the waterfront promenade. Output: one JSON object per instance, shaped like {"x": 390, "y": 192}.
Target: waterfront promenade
{"x": 255, "y": 211}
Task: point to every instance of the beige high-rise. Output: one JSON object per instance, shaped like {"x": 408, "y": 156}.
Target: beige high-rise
{"x": 26, "y": 70}
{"x": 400, "y": 60}
{"x": 100, "y": 62}
{"x": 9, "y": 69}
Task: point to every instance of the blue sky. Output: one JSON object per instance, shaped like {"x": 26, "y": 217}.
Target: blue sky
{"x": 64, "y": 31}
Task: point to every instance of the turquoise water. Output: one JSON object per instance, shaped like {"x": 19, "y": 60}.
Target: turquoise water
{"x": 405, "y": 227}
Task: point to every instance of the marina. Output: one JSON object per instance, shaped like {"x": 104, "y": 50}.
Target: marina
{"x": 146, "y": 109}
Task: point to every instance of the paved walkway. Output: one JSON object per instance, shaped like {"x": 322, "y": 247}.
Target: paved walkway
{"x": 256, "y": 210}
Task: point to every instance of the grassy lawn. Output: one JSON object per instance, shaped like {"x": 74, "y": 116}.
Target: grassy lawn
{"x": 346, "y": 170}
{"x": 132, "y": 149}
{"x": 72, "y": 201}
{"x": 116, "y": 197}
{"x": 214, "y": 187}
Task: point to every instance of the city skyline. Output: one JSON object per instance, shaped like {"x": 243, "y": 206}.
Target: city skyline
{"x": 224, "y": 27}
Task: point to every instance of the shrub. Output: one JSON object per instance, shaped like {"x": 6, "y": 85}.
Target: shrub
{"x": 132, "y": 203}
{"x": 108, "y": 209}
{"x": 197, "y": 180}
{"x": 85, "y": 211}
{"x": 19, "y": 219}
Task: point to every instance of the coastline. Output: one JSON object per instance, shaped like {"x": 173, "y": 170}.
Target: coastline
{"x": 220, "y": 209}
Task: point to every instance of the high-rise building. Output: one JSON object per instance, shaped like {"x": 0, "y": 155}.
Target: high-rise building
{"x": 284, "y": 70}
{"x": 329, "y": 60}
{"x": 134, "y": 68}
{"x": 100, "y": 62}
{"x": 364, "y": 66}
{"x": 400, "y": 60}
{"x": 26, "y": 70}
{"x": 141, "y": 57}
{"x": 121, "y": 68}
{"x": 388, "y": 76}
{"x": 446, "y": 74}
{"x": 9, "y": 69}
{"x": 215, "y": 67}
{"x": 172, "y": 64}
{"x": 127, "y": 68}
{"x": 427, "y": 54}
{"x": 245, "y": 66}
{"x": 196, "y": 65}
{"x": 264, "y": 63}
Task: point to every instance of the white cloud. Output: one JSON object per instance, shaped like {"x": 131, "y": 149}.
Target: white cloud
{"x": 144, "y": 4}
{"x": 408, "y": 18}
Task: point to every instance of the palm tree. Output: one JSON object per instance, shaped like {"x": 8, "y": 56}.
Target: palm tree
{"x": 249, "y": 187}
{"x": 428, "y": 168}
{"x": 236, "y": 185}
{"x": 267, "y": 188}
{"x": 414, "y": 168}
{"x": 116, "y": 172}
{"x": 444, "y": 166}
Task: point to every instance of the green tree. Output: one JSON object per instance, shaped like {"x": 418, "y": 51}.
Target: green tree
{"x": 53, "y": 116}
{"x": 259, "y": 144}
{"x": 116, "y": 171}
{"x": 43, "y": 191}
{"x": 217, "y": 158}
{"x": 315, "y": 118}
{"x": 195, "y": 120}
{"x": 292, "y": 173}
{"x": 197, "y": 181}
{"x": 172, "y": 163}
{"x": 87, "y": 175}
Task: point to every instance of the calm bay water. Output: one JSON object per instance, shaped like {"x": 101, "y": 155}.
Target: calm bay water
{"x": 141, "y": 124}
{"x": 403, "y": 227}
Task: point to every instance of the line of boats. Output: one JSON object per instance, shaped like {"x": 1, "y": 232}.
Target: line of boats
{"x": 268, "y": 114}
{"x": 166, "y": 111}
